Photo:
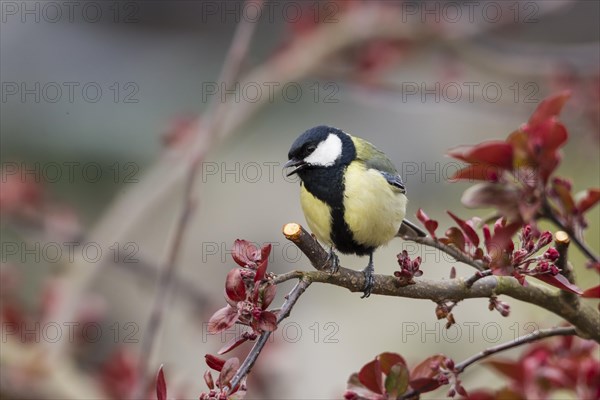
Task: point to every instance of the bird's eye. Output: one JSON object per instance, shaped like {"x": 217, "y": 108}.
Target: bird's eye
{"x": 311, "y": 148}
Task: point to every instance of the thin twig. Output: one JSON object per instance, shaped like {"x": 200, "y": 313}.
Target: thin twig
{"x": 581, "y": 315}
{"x": 477, "y": 276}
{"x": 452, "y": 251}
{"x": 291, "y": 300}
{"x": 209, "y": 130}
{"x": 550, "y": 214}
{"x": 532, "y": 337}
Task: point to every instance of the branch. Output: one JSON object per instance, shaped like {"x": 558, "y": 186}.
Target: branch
{"x": 477, "y": 276}
{"x": 291, "y": 300}
{"x": 532, "y": 337}
{"x": 582, "y": 316}
{"x": 209, "y": 131}
{"x": 452, "y": 251}
{"x": 550, "y": 214}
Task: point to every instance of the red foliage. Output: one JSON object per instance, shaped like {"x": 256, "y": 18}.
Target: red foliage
{"x": 248, "y": 297}
{"x": 161, "y": 385}
{"x": 565, "y": 363}
{"x": 517, "y": 171}
{"x": 409, "y": 269}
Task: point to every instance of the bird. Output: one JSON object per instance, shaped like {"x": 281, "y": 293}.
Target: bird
{"x": 351, "y": 194}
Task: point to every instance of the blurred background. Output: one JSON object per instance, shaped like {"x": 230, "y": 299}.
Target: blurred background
{"x": 104, "y": 103}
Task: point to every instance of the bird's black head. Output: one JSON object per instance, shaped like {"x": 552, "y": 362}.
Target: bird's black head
{"x": 320, "y": 147}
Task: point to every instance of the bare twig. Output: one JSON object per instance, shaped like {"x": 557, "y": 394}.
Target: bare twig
{"x": 209, "y": 131}
{"x": 550, "y": 214}
{"x": 582, "y": 316}
{"x": 532, "y": 337}
{"x": 452, "y": 251}
{"x": 291, "y": 300}
{"x": 477, "y": 276}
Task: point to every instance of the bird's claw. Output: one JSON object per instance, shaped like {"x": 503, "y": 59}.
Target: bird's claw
{"x": 369, "y": 281}
{"x": 332, "y": 264}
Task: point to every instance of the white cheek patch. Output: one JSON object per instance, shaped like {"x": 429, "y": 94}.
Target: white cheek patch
{"x": 327, "y": 152}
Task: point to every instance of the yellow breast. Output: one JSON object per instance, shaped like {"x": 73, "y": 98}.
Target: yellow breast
{"x": 318, "y": 215}
{"x": 374, "y": 209}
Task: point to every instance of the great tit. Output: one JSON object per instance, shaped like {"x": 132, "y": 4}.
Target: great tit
{"x": 351, "y": 194}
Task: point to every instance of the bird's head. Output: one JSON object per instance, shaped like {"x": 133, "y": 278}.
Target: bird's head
{"x": 320, "y": 147}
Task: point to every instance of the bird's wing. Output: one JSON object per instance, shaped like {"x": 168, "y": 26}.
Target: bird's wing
{"x": 376, "y": 159}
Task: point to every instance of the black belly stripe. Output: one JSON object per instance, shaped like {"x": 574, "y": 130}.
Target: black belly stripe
{"x": 327, "y": 185}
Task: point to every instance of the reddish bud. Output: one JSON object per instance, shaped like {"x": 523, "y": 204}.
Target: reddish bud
{"x": 545, "y": 239}
{"x": 214, "y": 362}
{"x": 551, "y": 254}
{"x": 350, "y": 395}
{"x": 209, "y": 380}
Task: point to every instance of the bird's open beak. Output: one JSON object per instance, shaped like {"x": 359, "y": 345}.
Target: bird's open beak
{"x": 299, "y": 164}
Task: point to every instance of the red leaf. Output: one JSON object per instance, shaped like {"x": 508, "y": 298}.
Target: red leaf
{"x": 470, "y": 233}
{"x": 370, "y": 376}
{"x": 560, "y": 282}
{"x": 268, "y": 321}
{"x": 562, "y": 189}
{"x": 268, "y": 294}
{"x": 161, "y": 385}
{"x": 593, "y": 292}
{"x": 456, "y": 237}
{"x": 265, "y": 251}
{"x": 235, "y": 288}
{"x": 388, "y": 360}
{"x": 424, "y": 385}
{"x": 228, "y": 371}
{"x": 477, "y": 172}
{"x": 232, "y": 344}
{"x": 496, "y": 153}
{"x": 214, "y": 362}
{"x": 244, "y": 253}
{"x": 423, "y": 377}
{"x": 587, "y": 200}
{"x": 502, "y": 239}
{"x": 549, "y": 107}
{"x": 223, "y": 319}
{"x": 208, "y": 379}
{"x": 396, "y": 382}
{"x": 430, "y": 224}
{"x": 261, "y": 270}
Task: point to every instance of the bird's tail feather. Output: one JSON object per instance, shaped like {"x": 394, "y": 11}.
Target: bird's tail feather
{"x": 410, "y": 229}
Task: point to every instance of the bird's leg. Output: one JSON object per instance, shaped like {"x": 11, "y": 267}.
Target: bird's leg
{"x": 369, "y": 280}
{"x": 333, "y": 261}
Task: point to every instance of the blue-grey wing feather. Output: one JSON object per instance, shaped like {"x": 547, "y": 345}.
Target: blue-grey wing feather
{"x": 394, "y": 180}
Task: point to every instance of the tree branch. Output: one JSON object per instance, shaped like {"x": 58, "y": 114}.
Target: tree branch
{"x": 532, "y": 337}
{"x": 291, "y": 300}
{"x": 452, "y": 251}
{"x": 582, "y": 316}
